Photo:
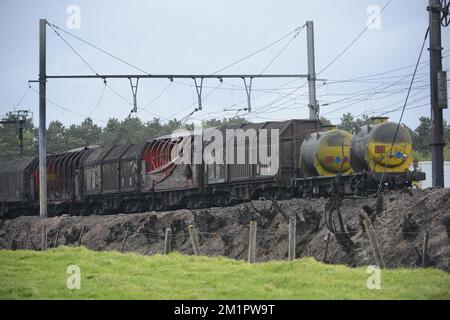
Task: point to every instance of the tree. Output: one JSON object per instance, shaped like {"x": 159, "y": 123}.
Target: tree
{"x": 133, "y": 130}
{"x": 56, "y": 137}
{"x": 325, "y": 121}
{"x": 422, "y": 136}
{"x": 350, "y": 124}
{"x": 85, "y": 134}
{"x": 229, "y": 122}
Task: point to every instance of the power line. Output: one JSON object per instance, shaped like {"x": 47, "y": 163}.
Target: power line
{"x": 67, "y": 109}
{"x": 54, "y": 27}
{"x": 283, "y": 49}
{"x": 404, "y": 106}
{"x": 144, "y": 108}
{"x": 409, "y": 108}
{"x": 378, "y": 110}
{"x": 98, "y": 48}
{"x": 99, "y": 100}
{"x": 260, "y": 50}
{"x": 367, "y": 92}
{"x": 367, "y": 97}
{"x": 73, "y": 49}
{"x": 354, "y": 40}
{"x": 130, "y": 103}
{"x": 333, "y": 81}
{"x": 220, "y": 112}
{"x": 15, "y": 106}
{"x": 194, "y": 103}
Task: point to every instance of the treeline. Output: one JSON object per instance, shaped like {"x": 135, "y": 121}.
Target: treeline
{"x": 133, "y": 130}
{"x": 62, "y": 138}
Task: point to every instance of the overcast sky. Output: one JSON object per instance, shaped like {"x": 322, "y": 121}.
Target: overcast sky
{"x": 202, "y": 36}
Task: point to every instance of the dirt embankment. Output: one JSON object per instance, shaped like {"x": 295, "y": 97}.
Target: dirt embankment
{"x": 400, "y": 229}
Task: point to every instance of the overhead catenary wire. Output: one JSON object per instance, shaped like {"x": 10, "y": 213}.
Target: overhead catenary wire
{"x": 130, "y": 103}
{"x": 194, "y": 103}
{"x": 159, "y": 95}
{"x": 354, "y": 40}
{"x": 384, "y": 108}
{"x": 67, "y": 109}
{"x": 98, "y": 48}
{"x": 365, "y": 92}
{"x": 73, "y": 49}
{"x": 376, "y": 75}
{"x": 368, "y": 93}
{"x": 54, "y": 27}
{"x": 57, "y": 28}
{"x": 297, "y": 31}
{"x": 16, "y": 105}
{"x": 257, "y": 111}
{"x": 283, "y": 49}
{"x": 259, "y": 50}
{"x": 219, "y": 112}
{"x": 366, "y": 97}
{"x": 99, "y": 100}
{"x": 260, "y": 110}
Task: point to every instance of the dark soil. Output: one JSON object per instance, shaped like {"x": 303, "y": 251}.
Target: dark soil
{"x": 400, "y": 220}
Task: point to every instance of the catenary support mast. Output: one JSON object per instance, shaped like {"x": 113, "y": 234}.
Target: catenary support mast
{"x": 42, "y": 120}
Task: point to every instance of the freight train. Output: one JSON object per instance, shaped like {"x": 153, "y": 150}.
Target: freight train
{"x": 294, "y": 158}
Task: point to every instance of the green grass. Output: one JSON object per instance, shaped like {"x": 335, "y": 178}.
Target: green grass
{"x": 110, "y": 275}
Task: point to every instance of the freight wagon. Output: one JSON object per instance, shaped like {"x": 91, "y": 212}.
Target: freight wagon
{"x": 252, "y": 161}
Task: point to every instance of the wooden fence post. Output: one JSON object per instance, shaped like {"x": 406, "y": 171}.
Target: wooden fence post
{"x": 194, "y": 239}
{"x": 168, "y": 241}
{"x": 81, "y": 236}
{"x": 252, "y": 242}
{"x": 11, "y": 239}
{"x": 380, "y": 204}
{"x": 44, "y": 237}
{"x": 292, "y": 238}
{"x": 56, "y": 239}
{"x": 373, "y": 241}
{"x": 124, "y": 240}
{"x": 425, "y": 248}
{"x": 324, "y": 258}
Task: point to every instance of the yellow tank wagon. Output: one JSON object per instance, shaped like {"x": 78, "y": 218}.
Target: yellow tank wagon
{"x": 326, "y": 153}
{"x": 370, "y": 148}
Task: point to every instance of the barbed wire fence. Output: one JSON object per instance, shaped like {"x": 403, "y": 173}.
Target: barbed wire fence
{"x": 23, "y": 239}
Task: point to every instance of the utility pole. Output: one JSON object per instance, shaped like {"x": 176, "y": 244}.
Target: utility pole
{"x": 437, "y": 147}
{"x": 42, "y": 120}
{"x": 313, "y": 105}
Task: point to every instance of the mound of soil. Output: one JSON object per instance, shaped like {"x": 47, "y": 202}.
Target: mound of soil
{"x": 400, "y": 220}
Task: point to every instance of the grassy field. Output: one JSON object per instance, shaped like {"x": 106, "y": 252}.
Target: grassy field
{"x": 42, "y": 275}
